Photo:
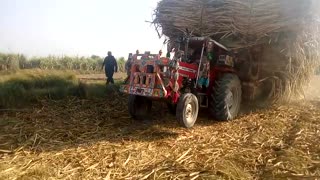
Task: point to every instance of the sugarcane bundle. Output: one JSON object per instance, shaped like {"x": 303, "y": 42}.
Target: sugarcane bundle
{"x": 286, "y": 30}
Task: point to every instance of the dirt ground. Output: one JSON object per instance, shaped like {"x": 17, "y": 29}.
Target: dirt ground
{"x": 117, "y": 76}
{"x": 96, "y": 139}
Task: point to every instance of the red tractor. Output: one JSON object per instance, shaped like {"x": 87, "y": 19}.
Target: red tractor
{"x": 202, "y": 75}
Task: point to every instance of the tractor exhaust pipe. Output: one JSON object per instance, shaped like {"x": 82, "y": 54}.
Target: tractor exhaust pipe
{"x": 195, "y": 86}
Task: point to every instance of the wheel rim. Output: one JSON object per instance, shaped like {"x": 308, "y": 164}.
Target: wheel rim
{"x": 229, "y": 99}
{"x": 189, "y": 113}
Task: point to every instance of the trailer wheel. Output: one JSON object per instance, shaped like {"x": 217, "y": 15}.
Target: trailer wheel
{"x": 139, "y": 107}
{"x": 187, "y": 110}
{"x": 226, "y": 97}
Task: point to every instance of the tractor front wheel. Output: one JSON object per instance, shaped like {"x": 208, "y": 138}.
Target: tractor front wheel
{"x": 226, "y": 97}
{"x": 139, "y": 107}
{"x": 187, "y": 110}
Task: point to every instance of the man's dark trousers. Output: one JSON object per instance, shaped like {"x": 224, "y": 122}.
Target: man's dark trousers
{"x": 109, "y": 75}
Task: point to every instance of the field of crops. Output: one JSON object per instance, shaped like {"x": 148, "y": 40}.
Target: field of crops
{"x": 76, "y": 137}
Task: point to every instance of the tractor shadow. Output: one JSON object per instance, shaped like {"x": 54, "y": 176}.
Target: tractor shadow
{"x": 163, "y": 117}
{"x": 73, "y": 122}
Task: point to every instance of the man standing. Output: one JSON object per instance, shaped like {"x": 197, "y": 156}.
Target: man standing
{"x": 111, "y": 67}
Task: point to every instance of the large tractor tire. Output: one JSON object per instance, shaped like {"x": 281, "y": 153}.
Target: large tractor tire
{"x": 139, "y": 107}
{"x": 226, "y": 97}
{"x": 187, "y": 110}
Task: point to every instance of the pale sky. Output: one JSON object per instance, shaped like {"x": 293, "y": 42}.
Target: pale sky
{"x": 77, "y": 27}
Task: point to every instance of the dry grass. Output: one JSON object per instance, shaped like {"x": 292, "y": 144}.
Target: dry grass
{"x": 96, "y": 139}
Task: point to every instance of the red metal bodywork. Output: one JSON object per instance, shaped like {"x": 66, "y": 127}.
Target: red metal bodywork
{"x": 144, "y": 82}
{"x": 149, "y": 78}
{"x": 215, "y": 72}
{"x": 184, "y": 70}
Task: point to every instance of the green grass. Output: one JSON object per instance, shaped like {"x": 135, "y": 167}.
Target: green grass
{"x": 97, "y": 89}
{"x": 20, "y": 88}
{"x": 27, "y": 86}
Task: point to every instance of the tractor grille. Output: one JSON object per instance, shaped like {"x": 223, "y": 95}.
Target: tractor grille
{"x": 144, "y": 80}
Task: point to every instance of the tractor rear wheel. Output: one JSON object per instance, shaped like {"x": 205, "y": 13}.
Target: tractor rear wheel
{"x": 187, "y": 110}
{"x": 226, "y": 97}
{"x": 139, "y": 107}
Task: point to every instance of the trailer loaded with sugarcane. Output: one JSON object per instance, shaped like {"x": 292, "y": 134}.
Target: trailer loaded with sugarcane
{"x": 226, "y": 52}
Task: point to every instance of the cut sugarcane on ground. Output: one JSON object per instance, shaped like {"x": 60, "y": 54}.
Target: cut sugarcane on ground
{"x": 95, "y": 139}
